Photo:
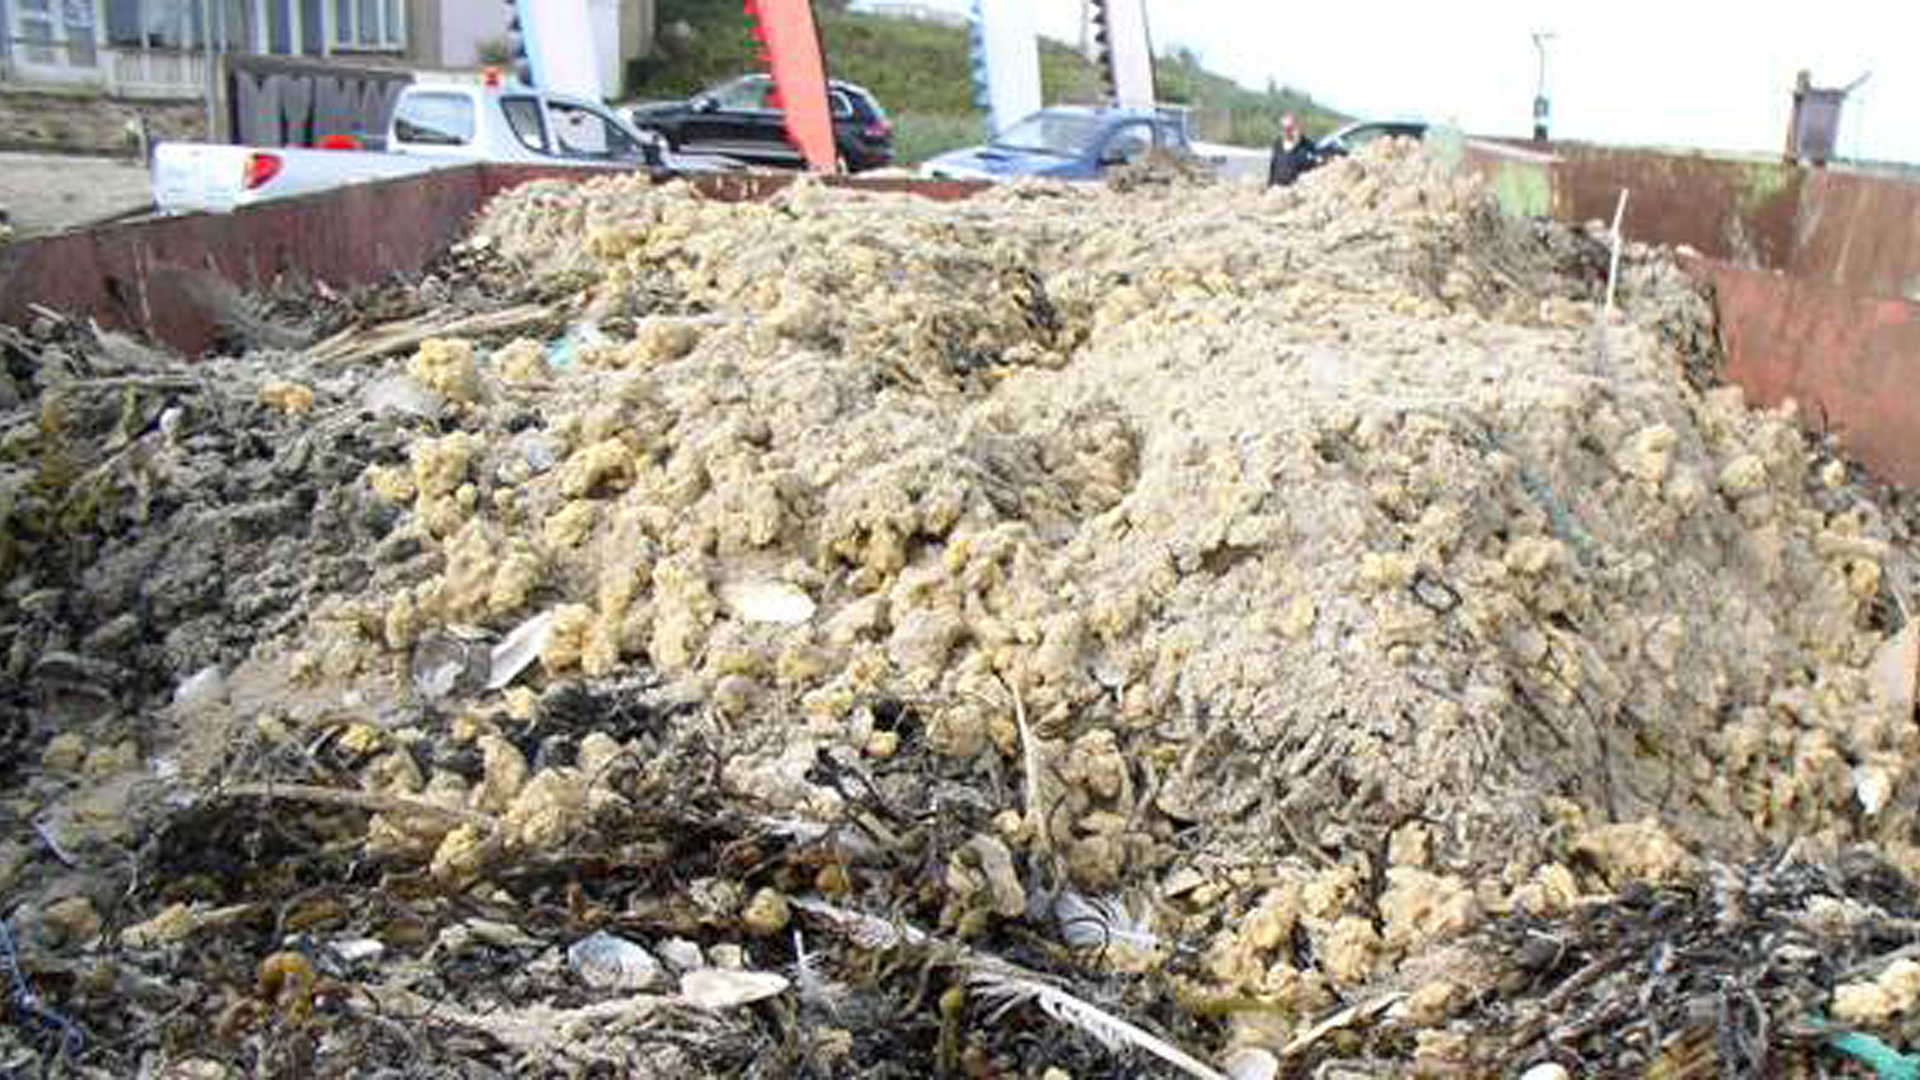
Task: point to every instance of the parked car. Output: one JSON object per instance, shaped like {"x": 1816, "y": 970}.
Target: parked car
{"x": 741, "y": 120}
{"x": 1351, "y": 137}
{"x": 1067, "y": 142}
{"x": 432, "y": 127}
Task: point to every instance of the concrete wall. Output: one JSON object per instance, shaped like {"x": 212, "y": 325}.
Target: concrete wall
{"x": 425, "y": 35}
{"x": 90, "y": 123}
{"x": 465, "y": 26}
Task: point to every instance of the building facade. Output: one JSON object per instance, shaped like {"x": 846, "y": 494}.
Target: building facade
{"x": 160, "y": 48}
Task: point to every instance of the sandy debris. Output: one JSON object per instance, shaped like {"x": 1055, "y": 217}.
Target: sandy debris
{"x": 1296, "y": 515}
{"x": 1314, "y": 565}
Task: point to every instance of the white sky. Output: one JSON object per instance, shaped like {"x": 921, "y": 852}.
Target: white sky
{"x": 1714, "y": 75}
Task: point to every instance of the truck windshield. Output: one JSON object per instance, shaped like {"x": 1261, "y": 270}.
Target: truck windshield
{"x": 1064, "y": 134}
{"x": 434, "y": 119}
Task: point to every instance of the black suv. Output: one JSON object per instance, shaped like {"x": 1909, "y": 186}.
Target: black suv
{"x": 738, "y": 120}
{"x": 1356, "y": 135}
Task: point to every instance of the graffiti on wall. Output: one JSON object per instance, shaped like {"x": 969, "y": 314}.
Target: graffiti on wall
{"x": 287, "y": 103}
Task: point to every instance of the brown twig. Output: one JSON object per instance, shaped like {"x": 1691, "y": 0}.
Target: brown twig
{"x": 360, "y": 800}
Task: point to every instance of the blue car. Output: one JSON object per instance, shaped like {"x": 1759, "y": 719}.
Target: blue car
{"x": 1066, "y": 142}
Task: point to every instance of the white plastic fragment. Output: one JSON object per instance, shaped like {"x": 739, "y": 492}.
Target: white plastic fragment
{"x": 1896, "y": 667}
{"x": 1871, "y": 785}
{"x": 583, "y": 335}
{"x": 202, "y": 690}
{"x": 681, "y": 954}
{"x": 1547, "y": 1070}
{"x": 357, "y": 950}
{"x": 402, "y": 394}
{"x": 542, "y": 452}
{"x": 1250, "y": 1063}
{"x": 520, "y": 649}
{"x": 607, "y": 962}
{"x": 717, "y": 989}
{"x": 767, "y": 602}
{"x": 440, "y": 661}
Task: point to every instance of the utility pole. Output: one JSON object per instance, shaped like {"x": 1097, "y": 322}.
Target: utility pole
{"x": 1540, "y": 105}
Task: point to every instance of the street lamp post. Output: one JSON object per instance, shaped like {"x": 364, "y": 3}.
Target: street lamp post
{"x": 1540, "y": 106}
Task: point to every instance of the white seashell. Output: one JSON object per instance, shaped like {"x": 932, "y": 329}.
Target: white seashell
{"x": 607, "y": 962}
{"x": 717, "y": 988}
{"x": 1251, "y": 1063}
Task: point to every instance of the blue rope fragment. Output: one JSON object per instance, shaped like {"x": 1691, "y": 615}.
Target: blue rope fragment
{"x": 1565, "y": 525}
{"x": 26, "y": 1002}
{"x": 1891, "y": 1064}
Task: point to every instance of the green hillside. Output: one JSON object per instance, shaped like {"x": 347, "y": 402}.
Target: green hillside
{"x": 920, "y": 72}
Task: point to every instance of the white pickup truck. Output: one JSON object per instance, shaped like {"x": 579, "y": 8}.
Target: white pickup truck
{"x": 433, "y": 126}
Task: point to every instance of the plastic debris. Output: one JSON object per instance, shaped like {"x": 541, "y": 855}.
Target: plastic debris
{"x": 1250, "y": 1063}
{"x": 202, "y": 690}
{"x": 519, "y": 649}
{"x": 579, "y": 337}
{"x": 1896, "y": 667}
{"x": 682, "y": 955}
{"x": 351, "y": 951}
{"x": 443, "y": 663}
{"x": 1889, "y": 1063}
{"x": 402, "y": 394}
{"x": 607, "y": 962}
{"x": 71, "y": 1038}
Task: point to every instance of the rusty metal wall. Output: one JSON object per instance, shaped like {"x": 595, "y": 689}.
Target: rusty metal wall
{"x": 1852, "y": 362}
{"x": 1742, "y": 212}
{"x": 1860, "y": 233}
{"x": 163, "y": 276}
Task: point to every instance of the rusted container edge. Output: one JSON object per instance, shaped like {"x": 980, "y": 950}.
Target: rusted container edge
{"x": 166, "y": 277}
{"x": 162, "y": 277}
{"x": 1741, "y": 212}
{"x": 1851, "y": 362}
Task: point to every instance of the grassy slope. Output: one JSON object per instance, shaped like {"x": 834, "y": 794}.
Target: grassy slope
{"x": 920, "y": 72}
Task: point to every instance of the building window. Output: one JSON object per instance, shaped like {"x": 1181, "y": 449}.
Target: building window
{"x": 279, "y": 29}
{"x": 312, "y": 28}
{"x": 81, "y": 50}
{"x": 161, "y": 24}
{"x": 369, "y": 24}
{"x": 36, "y": 30}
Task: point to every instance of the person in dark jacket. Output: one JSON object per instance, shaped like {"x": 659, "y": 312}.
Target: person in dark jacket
{"x": 1293, "y": 154}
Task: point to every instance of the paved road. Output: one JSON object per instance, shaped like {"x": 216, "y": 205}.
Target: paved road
{"x": 48, "y": 192}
